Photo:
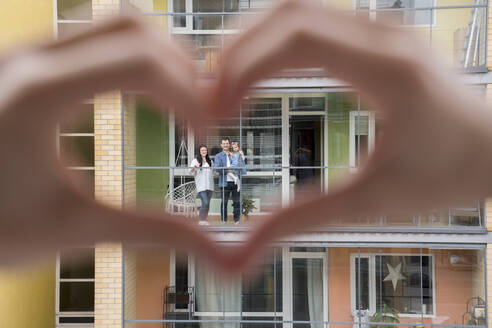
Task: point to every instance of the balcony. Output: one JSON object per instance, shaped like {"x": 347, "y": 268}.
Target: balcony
{"x": 458, "y": 29}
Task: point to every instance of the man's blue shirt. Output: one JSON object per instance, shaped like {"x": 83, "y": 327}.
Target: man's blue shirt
{"x": 221, "y": 161}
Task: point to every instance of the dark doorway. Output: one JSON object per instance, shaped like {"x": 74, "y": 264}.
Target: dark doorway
{"x": 305, "y": 149}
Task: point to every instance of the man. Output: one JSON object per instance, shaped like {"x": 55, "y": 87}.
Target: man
{"x": 228, "y": 179}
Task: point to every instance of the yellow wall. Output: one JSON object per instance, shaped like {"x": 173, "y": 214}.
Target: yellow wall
{"x": 22, "y": 21}
{"x": 27, "y": 297}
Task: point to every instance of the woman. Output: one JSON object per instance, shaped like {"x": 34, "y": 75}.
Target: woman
{"x": 201, "y": 169}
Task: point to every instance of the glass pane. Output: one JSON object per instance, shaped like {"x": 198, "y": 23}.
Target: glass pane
{"x": 77, "y": 296}
{"x": 79, "y": 151}
{"x": 181, "y": 276}
{"x": 74, "y": 9}
{"x": 84, "y": 124}
{"x": 83, "y": 179}
{"x": 262, "y": 132}
{"x": 76, "y": 320}
{"x": 361, "y": 265}
{"x": 307, "y": 249}
{"x": 66, "y": 30}
{"x": 307, "y": 291}
{"x": 215, "y": 294}
{"x": 404, "y": 284}
{"x": 263, "y": 293}
{"x": 307, "y": 104}
{"x": 179, "y": 6}
{"x": 390, "y": 13}
{"x": 77, "y": 263}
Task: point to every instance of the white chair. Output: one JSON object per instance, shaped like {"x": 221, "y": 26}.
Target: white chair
{"x": 182, "y": 200}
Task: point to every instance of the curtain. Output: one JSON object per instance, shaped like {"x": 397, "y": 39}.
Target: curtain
{"x": 214, "y": 294}
{"x": 315, "y": 291}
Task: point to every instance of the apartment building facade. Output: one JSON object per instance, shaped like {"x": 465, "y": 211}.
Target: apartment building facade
{"x": 297, "y": 129}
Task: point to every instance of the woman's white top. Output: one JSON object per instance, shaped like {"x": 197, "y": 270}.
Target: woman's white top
{"x": 204, "y": 176}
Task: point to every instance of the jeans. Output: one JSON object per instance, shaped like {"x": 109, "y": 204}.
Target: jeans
{"x": 205, "y": 197}
{"x": 231, "y": 187}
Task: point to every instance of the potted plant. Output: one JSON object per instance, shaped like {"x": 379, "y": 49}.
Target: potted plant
{"x": 247, "y": 205}
{"x": 386, "y": 314}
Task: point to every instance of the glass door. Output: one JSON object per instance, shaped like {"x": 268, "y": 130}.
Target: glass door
{"x": 307, "y": 290}
{"x": 307, "y": 143}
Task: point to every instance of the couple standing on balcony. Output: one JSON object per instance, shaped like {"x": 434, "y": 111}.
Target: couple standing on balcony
{"x": 230, "y": 166}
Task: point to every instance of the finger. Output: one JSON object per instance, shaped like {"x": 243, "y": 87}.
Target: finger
{"x": 134, "y": 59}
{"x": 300, "y": 34}
{"x": 95, "y": 223}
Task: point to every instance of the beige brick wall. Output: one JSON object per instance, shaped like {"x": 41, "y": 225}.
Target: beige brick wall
{"x": 130, "y": 287}
{"x": 108, "y": 291}
{"x": 105, "y": 8}
{"x": 108, "y": 189}
{"x": 107, "y": 148}
{"x": 108, "y": 286}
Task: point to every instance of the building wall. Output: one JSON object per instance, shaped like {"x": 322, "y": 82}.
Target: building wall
{"x": 27, "y": 294}
{"x": 454, "y": 285}
{"x": 108, "y": 293}
{"x": 153, "y": 265}
{"x": 25, "y": 21}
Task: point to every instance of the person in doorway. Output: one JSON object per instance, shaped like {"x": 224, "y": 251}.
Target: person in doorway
{"x": 227, "y": 180}
{"x": 202, "y": 170}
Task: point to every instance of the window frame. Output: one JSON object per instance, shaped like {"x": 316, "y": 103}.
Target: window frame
{"x": 188, "y": 29}
{"x": 371, "y": 135}
{"x": 373, "y": 12}
{"x": 58, "y": 313}
{"x": 57, "y": 21}
{"x": 191, "y": 283}
{"x": 372, "y": 283}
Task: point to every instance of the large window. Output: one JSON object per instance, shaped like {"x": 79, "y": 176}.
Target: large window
{"x": 72, "y": 16}
{"x": 402, "y": 12}
{"x": 292, "y": 142}
{"x": 75, "y": 287}
{"x": 306, "y": 286}
{"x": 404, "y": 283}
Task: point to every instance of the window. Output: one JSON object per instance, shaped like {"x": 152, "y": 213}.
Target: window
{"x": 387, "y": 10}
{"x": 75, "y": 287}
{"x": 76, "y": 147}
{"x": 404, "y": 283}
{"x": 204, "y": 18}
{"x": 259, "y": 297}
{"x": 362, "y": 137}
{"x": 72, "y": 16}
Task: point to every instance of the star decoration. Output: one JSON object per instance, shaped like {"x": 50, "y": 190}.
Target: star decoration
{"x": 394, "y": 275}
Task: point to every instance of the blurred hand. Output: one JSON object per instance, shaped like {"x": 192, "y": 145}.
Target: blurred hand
{"x": 434, "y": 152}
{"x": 40, "y": 210}
{"x": 436, "y": 147}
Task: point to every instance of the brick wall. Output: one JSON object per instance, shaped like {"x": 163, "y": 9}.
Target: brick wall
{"x": 108, "y": 291}
{"x": 107, "y": 148}
{"x": 108, "y": 286}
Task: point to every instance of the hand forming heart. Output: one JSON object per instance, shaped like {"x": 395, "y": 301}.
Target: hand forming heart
{"x": 433, "y": 153}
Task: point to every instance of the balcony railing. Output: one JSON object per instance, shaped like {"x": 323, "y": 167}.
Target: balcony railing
{"x": 458, "y": 31}
{"x": 263, "y": 190}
